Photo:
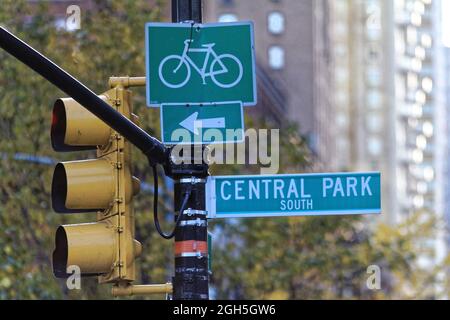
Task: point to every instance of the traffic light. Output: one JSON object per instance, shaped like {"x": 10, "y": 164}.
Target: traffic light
{"x": 105, "y": 248}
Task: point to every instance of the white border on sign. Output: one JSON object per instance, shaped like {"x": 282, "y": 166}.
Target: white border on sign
{"x": 202, "y": 104}
{"x": 188, "y": 25}
{"x": 210, "y": 194}
{"x": 291, "y": 214}
{"x": 211, "y": 198}
{"x": 297, "y": 174}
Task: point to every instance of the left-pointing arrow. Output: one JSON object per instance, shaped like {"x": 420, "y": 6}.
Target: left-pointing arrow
{"x": 193, "y": 124}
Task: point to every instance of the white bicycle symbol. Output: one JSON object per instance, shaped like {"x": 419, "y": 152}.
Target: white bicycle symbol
{"x": 186, "y": 61}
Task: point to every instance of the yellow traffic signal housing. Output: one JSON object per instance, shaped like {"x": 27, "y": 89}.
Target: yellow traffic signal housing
{"x": 105, "y": 248}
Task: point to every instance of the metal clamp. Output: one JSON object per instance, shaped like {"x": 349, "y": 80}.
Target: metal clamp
{"x": 196, "y": 254}
{"x": 197, "y": 222}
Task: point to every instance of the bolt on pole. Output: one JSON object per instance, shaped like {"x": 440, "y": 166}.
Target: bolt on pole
{"x": 191, "y": 279}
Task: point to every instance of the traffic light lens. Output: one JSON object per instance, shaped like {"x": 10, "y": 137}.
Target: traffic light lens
{"x": 59, "y": 130}
{"x": 60, "y": 254}
{"x": 59, "y": 189}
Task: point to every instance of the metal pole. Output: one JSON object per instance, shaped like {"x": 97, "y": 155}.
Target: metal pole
{"x": 191, "y": 279}
{"x": 187, "y": 10}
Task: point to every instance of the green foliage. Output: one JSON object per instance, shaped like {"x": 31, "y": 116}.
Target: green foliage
{"x": 110, "y": 42}
{"x": 297, "y": 258}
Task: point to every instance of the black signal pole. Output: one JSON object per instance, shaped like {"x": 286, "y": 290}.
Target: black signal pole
{"x": 191, "y": 278}
{"x": 187, "y": 10}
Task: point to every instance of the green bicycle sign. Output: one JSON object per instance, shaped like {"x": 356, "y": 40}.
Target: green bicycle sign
{"x": 200, "y": 63}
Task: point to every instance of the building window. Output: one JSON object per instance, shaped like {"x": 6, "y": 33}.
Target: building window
{"x": 276, "y": 57}
{"x": 417, "y": 156}
{"x": 421, "y": 142}
{"x": 418, "y": 201}
{"x": 374, "y": 99}
{"x": 341, "y": 74}
{"x": 275, "y": 22}
{"x": 427, "y": 84}
{"x": 342, "y": 120}
{"x": 374, "y": 122}
{"x": 374, "y": 146}
{"x": 428, "y": 174}
{"x": 428, "y": 129}
{"x": 426, "y": 40}
{"x": 228, "y": 17}
{"x": 374, "y": 76}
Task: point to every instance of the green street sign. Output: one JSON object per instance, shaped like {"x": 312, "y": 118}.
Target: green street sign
{"x": 293, "y": 195}
{"x": 202, "y": 124}
{"x": 200, "y": 63}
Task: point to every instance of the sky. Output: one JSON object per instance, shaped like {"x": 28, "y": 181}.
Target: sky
{"x": 446, "y": 22}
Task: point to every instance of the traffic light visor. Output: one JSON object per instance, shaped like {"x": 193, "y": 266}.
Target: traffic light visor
{"x": 83, "y": 186}
{"x": 89, "y": 246}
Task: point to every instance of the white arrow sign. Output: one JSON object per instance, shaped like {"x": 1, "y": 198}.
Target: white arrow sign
{"x": 192, "y": 124}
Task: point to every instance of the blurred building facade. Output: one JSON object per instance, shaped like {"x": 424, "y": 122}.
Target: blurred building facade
{"x": 363, "y": 78}
{"x": 292, "y": 52}
{"x": 389, "y": 86}
{"x": 447, "y": 175}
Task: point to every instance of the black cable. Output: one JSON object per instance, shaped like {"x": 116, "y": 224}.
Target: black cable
{"x": 155, "y": 208}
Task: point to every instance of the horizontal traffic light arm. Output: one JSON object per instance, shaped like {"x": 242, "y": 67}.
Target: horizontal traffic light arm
{"x": 155, "y": 151}
{"x": 141, "y": 290}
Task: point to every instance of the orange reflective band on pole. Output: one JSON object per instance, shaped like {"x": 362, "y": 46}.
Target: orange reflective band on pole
{"x": 190, "y": 246}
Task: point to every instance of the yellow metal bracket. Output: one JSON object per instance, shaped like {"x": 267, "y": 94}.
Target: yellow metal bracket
{"x": 141, "y": 290}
